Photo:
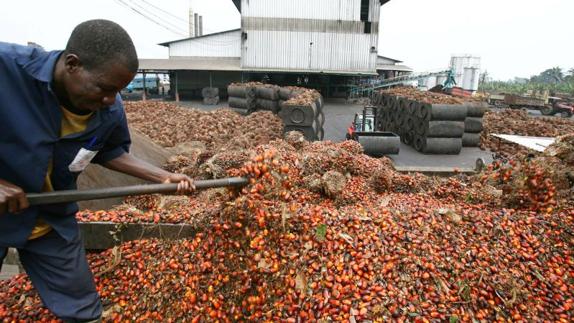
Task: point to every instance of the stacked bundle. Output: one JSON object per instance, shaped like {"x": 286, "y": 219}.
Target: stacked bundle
{"x": 254, "y": 96}
{"x": 267, "y": 97}
{"x": 210, "y": 95}
{"x": 302, "y": 110}
{"x": 429, "y": 128}
{"x": 299, "y": 108}
{"x": 242, "y": 96}
{"x": 432, "y": 123}
{"x": 473, "y": 124}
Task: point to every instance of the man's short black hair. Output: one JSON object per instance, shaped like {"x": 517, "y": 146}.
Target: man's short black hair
{"x": 97, "y": 42}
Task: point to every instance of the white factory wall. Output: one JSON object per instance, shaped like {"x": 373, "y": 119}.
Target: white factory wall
{"x": 303, "y": 9}
{"x": 292, "y": 50}
{"x": 279, "y": 34}
{"x": 226, "y": 44}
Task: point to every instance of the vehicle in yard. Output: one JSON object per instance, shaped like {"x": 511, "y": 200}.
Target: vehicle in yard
{"x": 375, "y": 143}
{"x": 547, "y": 105}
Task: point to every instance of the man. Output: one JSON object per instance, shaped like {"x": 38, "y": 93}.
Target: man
{"x": 58, "y": 112}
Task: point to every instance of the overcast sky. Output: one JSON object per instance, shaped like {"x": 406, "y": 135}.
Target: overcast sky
{"x": 513, "y": 37}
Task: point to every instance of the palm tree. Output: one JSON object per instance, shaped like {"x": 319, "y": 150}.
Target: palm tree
{"x": 556, "y": 75}
{"x": 550, "y": 76}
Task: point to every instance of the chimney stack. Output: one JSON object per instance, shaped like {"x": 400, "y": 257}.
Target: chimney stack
{"x": 196, "y": 24}
{"x": 200, "y": 25}
{"x": 191, "y": 23}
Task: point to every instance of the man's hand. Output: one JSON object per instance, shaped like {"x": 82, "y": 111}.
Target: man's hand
{"x": 12, "y": 198}
{"x": 185, "y": 185}
{"x": 131, "y": 165}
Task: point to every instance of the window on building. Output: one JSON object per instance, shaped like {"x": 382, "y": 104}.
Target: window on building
{"x": 368, "y": 27}
{"x": 365, "y": 10}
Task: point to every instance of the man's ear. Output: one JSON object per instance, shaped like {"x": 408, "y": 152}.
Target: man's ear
{"x": 72, "y": 62}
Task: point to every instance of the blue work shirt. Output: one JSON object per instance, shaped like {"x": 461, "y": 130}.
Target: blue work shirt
{"x": 30, "y": 122}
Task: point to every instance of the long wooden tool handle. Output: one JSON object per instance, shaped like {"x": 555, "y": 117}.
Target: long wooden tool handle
{"x": 104, "y": 193}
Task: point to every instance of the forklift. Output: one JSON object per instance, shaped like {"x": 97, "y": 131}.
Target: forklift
{"x": 375, "y": 143}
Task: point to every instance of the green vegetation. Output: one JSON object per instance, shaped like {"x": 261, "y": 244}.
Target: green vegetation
{"x": 554, "y": 80}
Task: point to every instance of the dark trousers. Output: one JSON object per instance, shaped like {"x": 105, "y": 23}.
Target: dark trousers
{"x": 59, "y": 271}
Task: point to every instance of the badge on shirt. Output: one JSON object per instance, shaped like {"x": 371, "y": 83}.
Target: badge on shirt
{"x": 83, "y": 158}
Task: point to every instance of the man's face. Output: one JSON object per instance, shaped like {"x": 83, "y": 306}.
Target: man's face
{"x": 91, "y": 90}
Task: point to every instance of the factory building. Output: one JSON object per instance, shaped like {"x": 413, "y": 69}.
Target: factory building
{"x": 330, "y": 45}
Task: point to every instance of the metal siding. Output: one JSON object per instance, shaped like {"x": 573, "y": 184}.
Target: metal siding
{"x": 221, "y": 45}
{"x": 290, "y": 50}
{"x": 277, "y": 44}
{"x": 303, "y": 9}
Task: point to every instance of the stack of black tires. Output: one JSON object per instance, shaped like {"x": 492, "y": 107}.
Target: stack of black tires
{"x": 473, "y": 124}
{"x": 210, "y": 95}
{"x": 303, "y": 115}
{"x": 429, "y": 128}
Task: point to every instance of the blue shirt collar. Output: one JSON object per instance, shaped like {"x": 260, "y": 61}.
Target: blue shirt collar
{"x": 42, "y": 66}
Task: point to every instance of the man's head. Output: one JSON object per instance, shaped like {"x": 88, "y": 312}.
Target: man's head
{"x": 99, "y": 60}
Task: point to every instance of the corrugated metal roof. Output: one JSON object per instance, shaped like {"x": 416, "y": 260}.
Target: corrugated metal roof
{"x": 222, "y": 64}
{"x": 237, "y": 3}
{"x": 390, "y": 67}
{"x": 191, "y": 64}
{"x": 219, "y": 45}
{"x": 390, "y": 59}
{"x": 166, "y": 44}
{"x": 304, "y": 71}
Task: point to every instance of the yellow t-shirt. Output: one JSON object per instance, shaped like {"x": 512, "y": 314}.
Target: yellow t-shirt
{"x": 71, "y": 123}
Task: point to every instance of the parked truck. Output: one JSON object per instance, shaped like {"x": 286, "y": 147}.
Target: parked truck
{"x": 547, "y": 105}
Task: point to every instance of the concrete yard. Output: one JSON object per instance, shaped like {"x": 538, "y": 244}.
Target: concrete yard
{"x": 411, "y": 160}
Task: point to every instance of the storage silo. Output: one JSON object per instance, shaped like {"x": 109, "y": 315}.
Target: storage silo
{"x": 475, "y": 79}
{"x": 459, "y": 64}
{"x": 467, "y": 78}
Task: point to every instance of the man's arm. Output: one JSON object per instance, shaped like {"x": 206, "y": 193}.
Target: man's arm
{"x": 133, "y": 166}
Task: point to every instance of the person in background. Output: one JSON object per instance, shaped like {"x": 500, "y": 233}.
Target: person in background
{"x": 59, "y": 111}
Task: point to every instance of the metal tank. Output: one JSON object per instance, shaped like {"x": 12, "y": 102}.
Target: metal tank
{"x": 467, "y": 78}
{"x": 475, "y": 79}
{"x": 461, "y": 62}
